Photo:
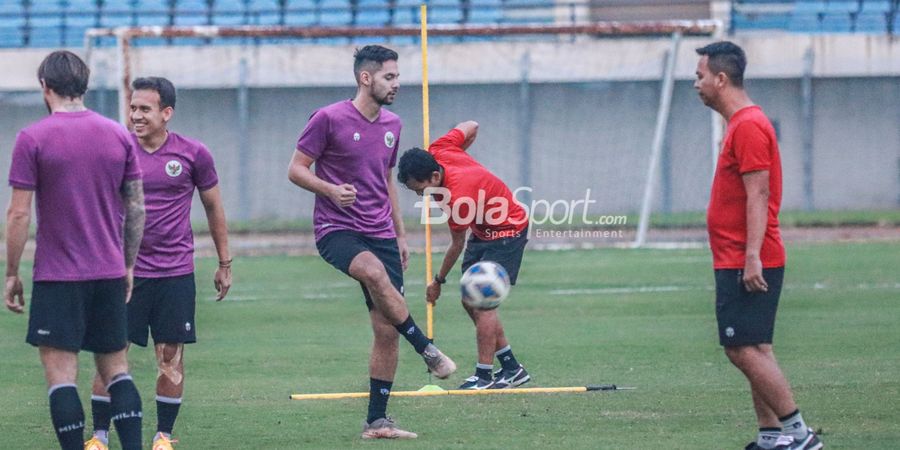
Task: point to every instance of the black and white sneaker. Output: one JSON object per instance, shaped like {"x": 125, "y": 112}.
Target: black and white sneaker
{"x": 506, "y": 379}
{"x": 810, "y": 442}
{"x": 475, "y": 383}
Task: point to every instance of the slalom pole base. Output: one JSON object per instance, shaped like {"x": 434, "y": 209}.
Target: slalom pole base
{"x": 431, "y": 388}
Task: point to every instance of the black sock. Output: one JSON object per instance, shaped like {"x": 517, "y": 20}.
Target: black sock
{"x": 413, "y": 334}
{"x": 100, "y": 412}
{"x": 125, "y": 411}
{"x": 67, "y": 416}
{"x": 483, "y": 371}
{"x": 506, "y": 358}
{"x": 379, "y": 392}
{"x": 166, "y": 412}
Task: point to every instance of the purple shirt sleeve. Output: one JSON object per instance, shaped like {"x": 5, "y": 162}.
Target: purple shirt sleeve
{"x": 314, "y": 137}
{"x": 204, "y": 173}
{"x": 132, "y": 166}
{"x": 23, "y": 172}
{"x": 393, "y": 161}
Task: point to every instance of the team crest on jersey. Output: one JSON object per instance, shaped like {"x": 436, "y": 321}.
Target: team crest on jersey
{"x": 173, "y": 168}
{"x": 355, "y": 137}
{"x": 389, "y": 139}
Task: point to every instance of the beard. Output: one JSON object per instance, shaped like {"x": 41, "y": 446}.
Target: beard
{"x": 385, "y": 99}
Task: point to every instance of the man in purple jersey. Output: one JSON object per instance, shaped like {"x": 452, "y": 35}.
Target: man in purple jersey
{"x": 82, "y": 170}
{"x": 357, "y": 222}
{"x": 164, "y": 289}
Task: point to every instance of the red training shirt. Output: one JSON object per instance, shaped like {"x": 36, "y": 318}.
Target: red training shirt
{"x": 750, "y": 145}
{"x": 496, "y": 214}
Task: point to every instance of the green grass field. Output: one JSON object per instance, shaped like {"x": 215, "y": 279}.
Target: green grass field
{"x": 636, "y": 318}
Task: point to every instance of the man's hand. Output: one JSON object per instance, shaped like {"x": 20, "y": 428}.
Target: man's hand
{"x": 222, "y": 281}
{"x": 404, "y": 252}
{"x": 432, "y": 292}
{"x": 129, "y": 283}
{"x": 14, "y": 294}
{"x": 344, "y": 195}
{"x": 753, "y": 277}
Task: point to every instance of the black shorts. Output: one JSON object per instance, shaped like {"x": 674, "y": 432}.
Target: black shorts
{"x": 165, "y": 306}
{"x": 340, "y": 247}
{"x": 507, "y": 252}
{"x": 78, "y": 315}
{"x": 746, "y": 318}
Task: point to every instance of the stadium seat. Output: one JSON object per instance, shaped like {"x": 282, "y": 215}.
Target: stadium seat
{"x": 806, "y": 15}
{"x": 229, "y": 12}
{"x": 300, "y": 12}
{"x": 334, "y": 12}
{"x": 192, "y": 12}
{"x": 839, "y": 15}
{"x": 79, "y": 16}
{"x": 12, "y": 20}
{"x": 406, "y": 14}
{"x": 45, "y": 24}
{"x": 264, "y": 12}
{"x": 372, "y": 13}
{"x": 445, "y": 12}
{"x": 117, "y": 13}
{"x": 485, "y": 11}
{"x": 873, "y": 16}
{"x": 528, "y": 11}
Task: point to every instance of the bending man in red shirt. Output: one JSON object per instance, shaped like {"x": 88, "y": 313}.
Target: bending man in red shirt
{"x": 748, "y": 254}
{"x": 499, "y": 233}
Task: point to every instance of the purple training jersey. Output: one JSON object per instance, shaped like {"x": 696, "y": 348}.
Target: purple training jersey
{"x": 170, "y": 175}
{"x": 76, "y": 163}
{"x": 350, "y": 149}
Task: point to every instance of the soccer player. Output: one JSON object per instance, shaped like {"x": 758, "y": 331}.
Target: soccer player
{"x": 499, "y": 236}
{"x": 748, "y": 254}
{"x": 358, "y": 226}
{"x": 82, "y": 170}
{"x": 164, "y": 291}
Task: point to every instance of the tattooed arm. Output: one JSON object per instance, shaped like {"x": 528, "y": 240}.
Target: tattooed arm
{"x": 133, "y": 197}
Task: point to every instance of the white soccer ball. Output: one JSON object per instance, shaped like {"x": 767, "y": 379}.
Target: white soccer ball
{"x": 484, "y": 285}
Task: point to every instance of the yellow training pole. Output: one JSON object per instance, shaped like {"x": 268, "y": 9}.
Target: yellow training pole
{"x": 548, "y": 390}
{"x": 429, "y": 308}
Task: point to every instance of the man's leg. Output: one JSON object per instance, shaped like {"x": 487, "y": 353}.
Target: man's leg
{"x": 66, "y": 412}
{"x": 771, "y": 391}
{"x": 382, "y": 368}
{"x": 169, "y": 385}
{"x": 370, "y": 271}
{"x": 100, "y": 409}
{"x": 125, "y": 401}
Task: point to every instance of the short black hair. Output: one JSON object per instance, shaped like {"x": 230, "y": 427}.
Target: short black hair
{"x": 164, "y": 87}
{"x": 416, "y": 164}
{"x": 726, "y": 57}
{"x": 370, "y": 58}
{"x": 65, "y": 74}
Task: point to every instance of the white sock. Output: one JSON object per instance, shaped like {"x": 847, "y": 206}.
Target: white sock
{"x": 768, "y": 437}
{"x": 794, "y": 426}
{"x": 102, "y": 435}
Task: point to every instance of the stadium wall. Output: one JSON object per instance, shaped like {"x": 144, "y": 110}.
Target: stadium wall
{"x": 592, "y": 110}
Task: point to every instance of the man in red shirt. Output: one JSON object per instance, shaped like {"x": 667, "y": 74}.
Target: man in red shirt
{"x": 480, "y": 202}
{"x": 748, "y": 254}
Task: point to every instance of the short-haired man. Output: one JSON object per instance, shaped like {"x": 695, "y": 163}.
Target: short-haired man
{"x": 82, "y": 170}
{"x": 164, "y": 291}
{"x": 748, "y": 254}
{"x": 357, "y": 221}
{"x": 500, "y": 238}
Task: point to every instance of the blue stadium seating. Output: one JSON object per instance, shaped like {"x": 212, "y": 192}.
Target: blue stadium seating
{"x": 45, "y": 24}
{"x": 873, "y": 16}
{"x": 372, "y": 13}
{"x": 485, "y": 11}
{"x": 229, "y": 12}
{"x": 117, "y": 13}
{"x": 11, "y": 22}
{"x": 264, "y": 12}
{"x": 79, "y": 16}
{"x": 300, "y": 12}
{"x": 335, "y": 13}
{"x": 192, "y": 12}
{"x": 807, "y": 15}
{"x": 839, "y": 15}
{"x": 445, "y": 12}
